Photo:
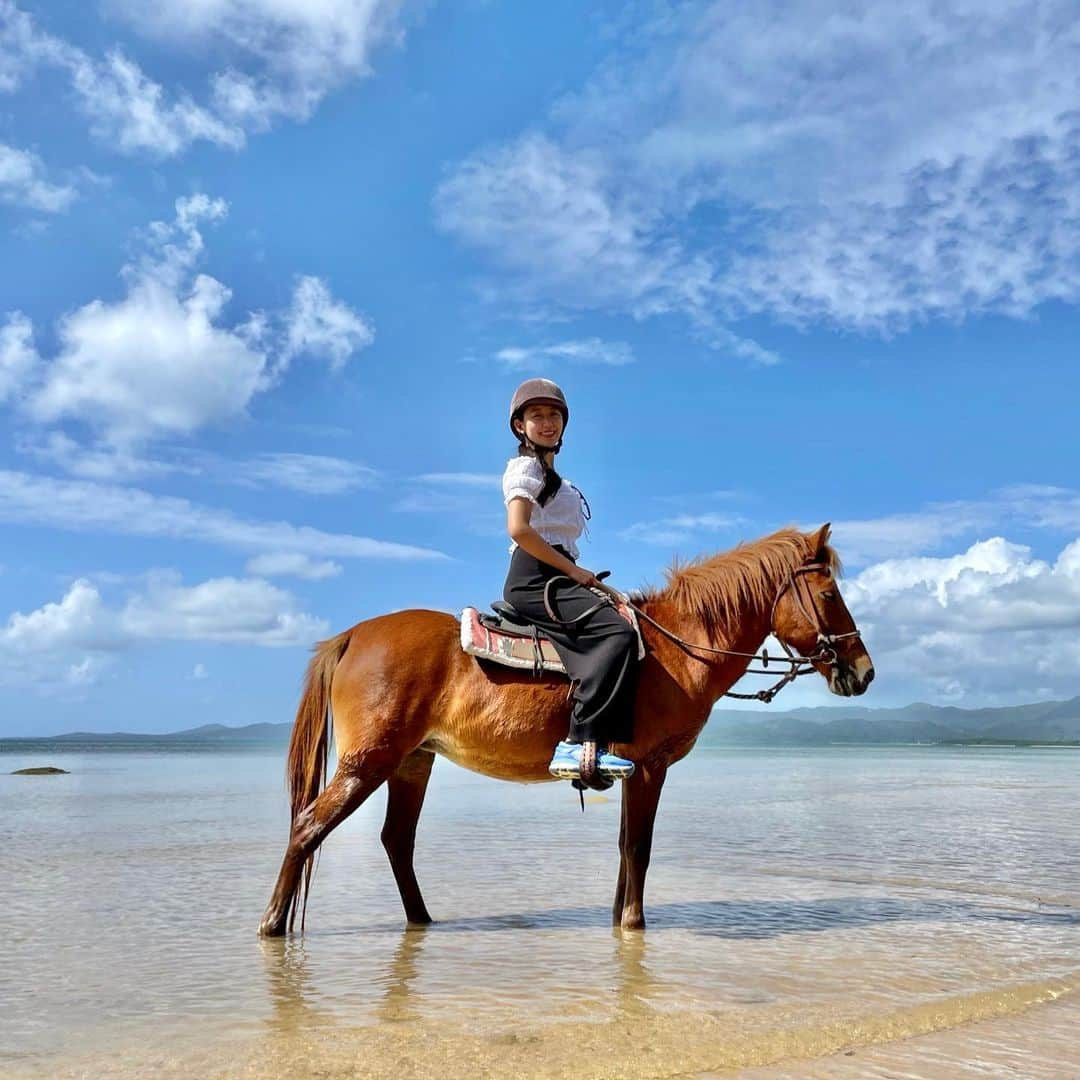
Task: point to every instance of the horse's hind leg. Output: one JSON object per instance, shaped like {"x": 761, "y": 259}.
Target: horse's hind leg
{"x": 351, "y": 785}
{"x": 406, "y": 788}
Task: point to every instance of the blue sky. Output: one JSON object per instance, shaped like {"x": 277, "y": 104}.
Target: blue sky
{"x": 273, "y": 269}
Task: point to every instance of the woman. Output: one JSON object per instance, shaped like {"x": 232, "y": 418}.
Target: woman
{"x": 544, "y": 517}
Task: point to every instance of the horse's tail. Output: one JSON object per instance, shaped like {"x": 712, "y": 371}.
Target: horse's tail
{"x": 309, "y": 748}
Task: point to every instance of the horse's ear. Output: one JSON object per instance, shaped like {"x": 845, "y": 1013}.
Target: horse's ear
{"x": 820, "y": 541}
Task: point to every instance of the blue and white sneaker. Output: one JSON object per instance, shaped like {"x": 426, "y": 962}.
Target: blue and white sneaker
{"x": 566, "y": 763}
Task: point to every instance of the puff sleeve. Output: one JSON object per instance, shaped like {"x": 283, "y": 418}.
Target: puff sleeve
{"x": 524, "y": 477}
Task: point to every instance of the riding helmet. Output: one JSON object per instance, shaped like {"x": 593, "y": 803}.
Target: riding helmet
{"x": 532, "y": 391}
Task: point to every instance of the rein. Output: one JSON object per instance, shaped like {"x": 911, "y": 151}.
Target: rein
{"x": 797, "y": 665}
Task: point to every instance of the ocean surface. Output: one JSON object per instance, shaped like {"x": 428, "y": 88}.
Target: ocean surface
{"x": 836, "y": 912}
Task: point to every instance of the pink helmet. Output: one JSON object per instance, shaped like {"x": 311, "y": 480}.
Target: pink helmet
{"x": 532, "y": 391}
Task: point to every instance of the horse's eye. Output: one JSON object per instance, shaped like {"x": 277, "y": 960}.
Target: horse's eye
{"x": 828, "y": 594}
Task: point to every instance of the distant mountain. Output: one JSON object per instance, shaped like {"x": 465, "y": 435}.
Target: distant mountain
{"x": 205, "y": 737}
{"x": 1039, "y": 722}
{"x": 205, "y": 733}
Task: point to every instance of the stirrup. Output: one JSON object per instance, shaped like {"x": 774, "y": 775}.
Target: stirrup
{"x": 589, "y": 775}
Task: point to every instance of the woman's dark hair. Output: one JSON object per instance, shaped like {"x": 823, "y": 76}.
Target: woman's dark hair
{"x": 552, "y": 480}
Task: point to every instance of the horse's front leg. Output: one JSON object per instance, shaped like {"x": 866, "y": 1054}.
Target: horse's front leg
{"x": 641, "y": 796}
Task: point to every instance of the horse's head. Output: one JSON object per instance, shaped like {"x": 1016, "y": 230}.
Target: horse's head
{"x": 810, "y": 615}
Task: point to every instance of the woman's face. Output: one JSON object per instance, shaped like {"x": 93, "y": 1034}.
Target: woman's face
{"x": 543, "y": 424}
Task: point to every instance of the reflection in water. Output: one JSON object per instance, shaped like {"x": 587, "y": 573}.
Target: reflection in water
{"x": 288, "y": 982}
{"x": 399, "y": 1000}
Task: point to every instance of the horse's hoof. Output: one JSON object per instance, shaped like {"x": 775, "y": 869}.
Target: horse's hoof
{"x": 272, "y": 928}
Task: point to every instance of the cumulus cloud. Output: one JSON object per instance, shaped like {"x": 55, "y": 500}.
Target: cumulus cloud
{"x": 74, "y": 638}
{"x": 23, "y": 182}
{"x": 318, "y": 324}
{"x": 868, "y": 168}
{"x": 83, "y": 506}
{"x": 166, "y": 359}
{"x": 992, "y": 623}
{"x": 243, "y": 612}
{"x": 282, "y": 59}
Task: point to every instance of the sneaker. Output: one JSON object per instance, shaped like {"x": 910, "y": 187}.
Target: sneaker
{"x": 612, "y": 766}
{"x": 566, "y": 763}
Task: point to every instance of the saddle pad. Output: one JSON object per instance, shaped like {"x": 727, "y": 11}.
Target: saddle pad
{"x": 519, "y": 652}
{"x": 509, "y": 649}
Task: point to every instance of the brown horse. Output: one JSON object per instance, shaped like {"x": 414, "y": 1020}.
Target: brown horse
{"x": 401, "y": 690}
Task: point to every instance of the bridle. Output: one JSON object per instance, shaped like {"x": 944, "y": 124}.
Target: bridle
{"x": 797, "y": 665}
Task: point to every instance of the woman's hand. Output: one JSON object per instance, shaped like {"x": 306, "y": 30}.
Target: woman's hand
{"x": 585, "y": 577}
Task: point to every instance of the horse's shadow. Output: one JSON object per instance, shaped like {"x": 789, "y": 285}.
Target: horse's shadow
{"x": 751, "y": 919}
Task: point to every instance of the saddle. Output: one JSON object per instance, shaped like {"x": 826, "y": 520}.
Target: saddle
{"x": 506, "y": 637}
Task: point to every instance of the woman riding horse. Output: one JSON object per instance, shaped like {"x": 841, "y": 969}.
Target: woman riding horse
{"x": 398, "y": 689}
{"x": 545, "y": 515}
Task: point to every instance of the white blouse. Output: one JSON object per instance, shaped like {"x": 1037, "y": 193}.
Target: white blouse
{"x": 562, "y": 520}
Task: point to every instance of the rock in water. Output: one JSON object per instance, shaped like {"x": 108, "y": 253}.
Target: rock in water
{"x": 40, "y": 770}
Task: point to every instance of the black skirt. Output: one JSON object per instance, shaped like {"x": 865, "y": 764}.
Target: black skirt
{"x": 600, "y": 652}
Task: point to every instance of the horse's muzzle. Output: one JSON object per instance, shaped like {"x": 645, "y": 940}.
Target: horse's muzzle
{"x": 851, "y": 680}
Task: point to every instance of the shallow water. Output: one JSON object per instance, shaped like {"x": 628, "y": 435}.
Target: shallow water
{"x": 800, "y": 903}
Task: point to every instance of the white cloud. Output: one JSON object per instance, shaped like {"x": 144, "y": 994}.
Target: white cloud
{"x": 99, "y": 462}
{"x": 557, "y": 219}
{"x": 81, "y": 506}
{"x": 681, "y": 528}
{"x": 243, "y": 612}
{"x": 292, "y": 564}
{"x": 870, "y": 168}
{"x": 282, "y": 58}
{"x": 584, "y": 351}
{"x": 23, "y": 47}
{"x": 860, "y": 541}
{"x": 300, "y": 49}
{"x": 313, "y": 474}
{"x": 992, "y": 623}
{"x": 199, "y": 672}
{"x": 129, "y": 110}
{"x": 76, "y": 637}
{"x": 18, "y": 357}
{"x": 23, "y": 182}
{"x": 156, "y": 361}
{"x": 164, "y": 360}
{"x": 318, "y": 324}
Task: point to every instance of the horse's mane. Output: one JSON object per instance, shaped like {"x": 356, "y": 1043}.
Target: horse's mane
{"x": 716, "y": 589}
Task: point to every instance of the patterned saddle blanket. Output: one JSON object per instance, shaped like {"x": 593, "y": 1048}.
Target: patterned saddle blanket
{"x": 506, "y": 638}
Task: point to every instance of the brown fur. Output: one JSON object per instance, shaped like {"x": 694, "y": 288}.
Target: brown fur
{"x": 401, "y": 689}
